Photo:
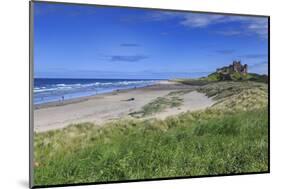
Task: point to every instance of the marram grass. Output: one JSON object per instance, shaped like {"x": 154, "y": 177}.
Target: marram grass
{"x": 202, "y": 143}
{"x": 173, "y": 99}
{"x": 218, "y": 140}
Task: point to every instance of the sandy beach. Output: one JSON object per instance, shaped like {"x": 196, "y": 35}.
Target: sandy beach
{"x": 115, "y": 105}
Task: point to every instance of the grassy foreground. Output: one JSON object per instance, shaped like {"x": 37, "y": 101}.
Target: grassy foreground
{"x": 224, "y": 139}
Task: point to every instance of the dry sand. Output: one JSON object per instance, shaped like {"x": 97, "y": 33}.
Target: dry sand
{"x": 111, "y": 106}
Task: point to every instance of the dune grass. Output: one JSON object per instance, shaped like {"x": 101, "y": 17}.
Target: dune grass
{"x": 218, "y": 140}
{"x": 173, "y": 99}
{"x": 237, "y": 96}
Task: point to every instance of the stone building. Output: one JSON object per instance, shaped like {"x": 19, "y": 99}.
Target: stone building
{"x": 236, "y": 66}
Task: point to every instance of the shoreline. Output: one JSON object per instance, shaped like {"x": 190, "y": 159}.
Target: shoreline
{"x": 53, "y": 99}
{"x": 103, "y": 108}
{"x": 79, "y": 99}
{"x": 85, "y": 98}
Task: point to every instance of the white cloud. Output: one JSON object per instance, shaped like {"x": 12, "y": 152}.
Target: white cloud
{"x": 248, "y": 25}
{"x": 259, "y": 27}
{"x": 230, "y": 32}
{"x": 201, "y": 20}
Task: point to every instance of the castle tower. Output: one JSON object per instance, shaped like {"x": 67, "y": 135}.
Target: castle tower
{"x": 237, "y": 67}
{"x": 245, "y": 69}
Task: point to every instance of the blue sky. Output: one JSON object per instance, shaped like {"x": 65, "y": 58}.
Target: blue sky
{"x": 74, "y": 41}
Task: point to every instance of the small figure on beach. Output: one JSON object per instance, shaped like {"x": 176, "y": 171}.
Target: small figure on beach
{"x": 62, "y": 98}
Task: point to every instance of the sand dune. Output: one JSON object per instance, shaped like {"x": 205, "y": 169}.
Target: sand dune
{"x": 111, "y": 106}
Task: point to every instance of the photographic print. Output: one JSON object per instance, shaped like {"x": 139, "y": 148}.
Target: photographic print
{"x": 125, "y": 94}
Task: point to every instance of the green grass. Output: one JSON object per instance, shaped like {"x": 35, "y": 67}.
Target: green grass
{"x": 237, "y": 96}
{"x": 195, "y": 82}
{"x": 257, "y": 77}
{"x": 219, "y": 140}
{"x": 224, "y": 89}
{"x": 217, "y": 77}
{"x": 171, "y": 100}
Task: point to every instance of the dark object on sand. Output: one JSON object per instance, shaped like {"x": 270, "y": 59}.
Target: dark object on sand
{"x": 130, "y": 99}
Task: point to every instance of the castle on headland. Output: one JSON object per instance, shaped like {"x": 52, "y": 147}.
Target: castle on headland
{"x": 235, "y": 69}
{"x": 235, "y": 72}
{"x": 236, "y": 66}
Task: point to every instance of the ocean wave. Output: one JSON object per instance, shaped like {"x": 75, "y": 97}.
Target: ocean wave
{"x": 95, "y": 85}
{"x": 53, "y": 92}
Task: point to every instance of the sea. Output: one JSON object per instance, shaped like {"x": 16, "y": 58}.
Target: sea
{"x": 52, "y": 90}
